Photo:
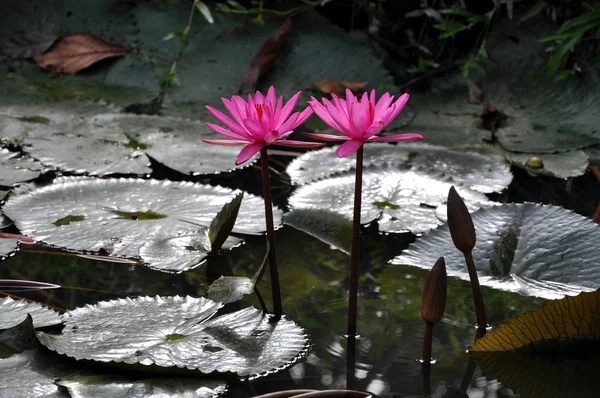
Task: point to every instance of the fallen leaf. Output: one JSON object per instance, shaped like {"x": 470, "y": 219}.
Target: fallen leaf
{"x": 566, "y": 318}
{"x": 263, "y": 57}
{"x": 20, "y": 47}
{"x": 337, "y": 87}
{"x": 77, "y": 52}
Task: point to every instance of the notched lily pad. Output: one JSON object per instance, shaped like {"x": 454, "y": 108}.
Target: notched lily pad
{"x": 479, "y": 168}
{"x": 542, "y": 251}
{"x": 136, "y": 332}
{"x": 153, "y": 220}
{"x": 399, "y": 199}
{"x": 14, "y": 312}
{"x": 327, "y": 226}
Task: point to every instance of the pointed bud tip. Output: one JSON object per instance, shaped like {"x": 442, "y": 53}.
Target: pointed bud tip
{"x": 433, "y": 303}
{"x": 460, "y": 222}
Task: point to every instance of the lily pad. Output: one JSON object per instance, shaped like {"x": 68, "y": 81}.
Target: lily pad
{"x": 35, "y": 374}
{"x": 474, "y": 170}
{"x": 14, "y": 168}
{"x": 400, "y": 200}
{"x": 88, "y": 214}
{"x": 560, "y": 164}
{"x": 15, "y": 312}
{"x": 116, "y": 143}
{"x": 540, "y": 115}
{"x": 18, "y": 338}
{"x": 327, "y": 226}
{"x": 179, "y": 332}
{"x": 8, "y": 247}
{"x": 542, "y": 251}
{"x": 569, "y": 317}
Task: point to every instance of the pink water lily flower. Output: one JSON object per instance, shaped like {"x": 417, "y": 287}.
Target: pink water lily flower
{"x": 258, "y": 122}
{"x": 359, "y": 120}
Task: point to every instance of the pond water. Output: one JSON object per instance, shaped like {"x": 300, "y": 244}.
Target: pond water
{"x": 314, "y": 288}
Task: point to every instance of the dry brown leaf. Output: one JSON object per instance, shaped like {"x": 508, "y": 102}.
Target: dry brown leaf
{"x": 77, "y": 52}
{"x": 337, "y": 87}
{"x": 263, "y": 57}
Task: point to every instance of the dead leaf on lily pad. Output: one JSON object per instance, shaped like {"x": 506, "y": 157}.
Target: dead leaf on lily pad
{"x": 263, "y": 57}
{"x": 77, "y": 52}
{"x": 337, "y": 87}
{"x": 569, "y": 317}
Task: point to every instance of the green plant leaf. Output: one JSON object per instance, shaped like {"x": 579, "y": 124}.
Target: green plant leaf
{"x": 205, "y": 11}
{"x": 570, "y": 317}
{"x": 222, "y": 224}
{"x": 229, "y": 289}
{"x": 449, "y": 29}
{"x": 18, "y": 338}
{"x": 327, "y": 226}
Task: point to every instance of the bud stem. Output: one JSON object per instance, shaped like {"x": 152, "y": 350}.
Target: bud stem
{"x": 477, "y": 296}
{"x": 427, "y": 341}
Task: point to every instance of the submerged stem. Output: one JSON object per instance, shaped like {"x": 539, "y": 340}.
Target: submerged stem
{"x": 275, "y": 289}
{"x": 355, "y": 252}
{"x": 477, "y": 296}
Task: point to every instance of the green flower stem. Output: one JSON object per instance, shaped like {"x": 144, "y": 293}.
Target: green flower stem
{"x": 477, "y": 296}
{"x": 275, "y": 289}
{"x": 355, "y": 253}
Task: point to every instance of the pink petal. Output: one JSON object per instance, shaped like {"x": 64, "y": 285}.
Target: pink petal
{"x": 327, "y": 137}
{"x": 304, "y": 115}
{"x": 226, "y": 142}
{"x": 255, "y": 128}
{"x": 247, "y": 152}
{"x": 233, "y": 110}
{"x": 290, "y": 124}
{"x": 341, "y": 105}
{"x": 372, "y": 99}
{"x": 272, "y": 136}
{"x": 350, "y": 99}
{"x": 348, "y": 148}
{"x": 287, "y": 110}
{"x": 398, "y": 106}
{"x": 322, "y": 113}
{"x": 259, "y": 98}
{"x": 241, "y": 106}
{"x": 226, "y": 132}
{"x": 340, "y": 118}
{"x": 383, "y": 104}
{"x": 225, "y": 120}
{"x": 277, "y": 113}
{"x": 397, "y": 137}
{"x": 360, "y": 117}
{"x": 271, "y": 97}
{"x": 299, "y": 144}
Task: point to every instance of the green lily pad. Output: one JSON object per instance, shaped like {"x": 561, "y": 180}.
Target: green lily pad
{"x": 185, "y": 206}
{"x": 413, "y": 198}
{"x": 542, "y": 251}
{"x": 14, "y": 168}
{"x": 561, "y": 164}
{"x": 34, "y": 374}
{"x": 327, "y": 226}
{"x": 483, "y": 172}
{"x": 15, "y": 312}
{"x": 18, "y": 338}
{"x": 136, "y": 332}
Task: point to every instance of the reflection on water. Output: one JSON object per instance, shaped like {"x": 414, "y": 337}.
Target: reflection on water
{"x": 313, "y": 280}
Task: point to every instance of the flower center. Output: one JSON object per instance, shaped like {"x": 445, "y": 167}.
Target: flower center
{"x": 259, "y": 110}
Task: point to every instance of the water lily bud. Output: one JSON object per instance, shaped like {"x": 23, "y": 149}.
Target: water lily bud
{"x": 460, "y": 222}
{"x": 433, "y": 302}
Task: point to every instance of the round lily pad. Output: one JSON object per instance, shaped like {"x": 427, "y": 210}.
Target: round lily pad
{"x": 14, "y": 313}
{"x": 179, "y": 332}
{"x": 18, "y": 378}
{"x": 542, "y": 251}
{"x": 121, "y": 216}
{"x": 400, "y": 200}
{"x": 483, "y": 172}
